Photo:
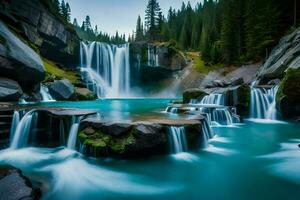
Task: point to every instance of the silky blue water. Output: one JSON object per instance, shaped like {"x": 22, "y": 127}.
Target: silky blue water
{"x": 249, "y": 161}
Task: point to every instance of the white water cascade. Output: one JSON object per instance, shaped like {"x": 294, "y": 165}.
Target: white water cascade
{"x": 263, "y": 103}
{"x": 106, "y": 68}
{"x": 152, "y": 56}
{"x": 15, "y": 121}
{"x": 20, "y": 137}
{"x": 46, "y": 96}
{"x": 213, "y": 99}
{"x": 73, "y": 133}
{"x": 177, "y": 139}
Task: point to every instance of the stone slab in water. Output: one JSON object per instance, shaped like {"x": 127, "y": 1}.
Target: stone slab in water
{"x": 14, "y": 186}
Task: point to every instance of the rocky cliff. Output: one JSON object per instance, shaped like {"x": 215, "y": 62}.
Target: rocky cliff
{"x": 36, "y": 22}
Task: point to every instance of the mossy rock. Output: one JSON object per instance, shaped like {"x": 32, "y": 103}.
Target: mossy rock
{"x": 290, "y": 86}
{"x": 244, "y": 98}
{"x": 190, "y": 94}
{"x": 99, "y": 140}
{"x": 83, "y": 94}
{"x": 288, "y": 96}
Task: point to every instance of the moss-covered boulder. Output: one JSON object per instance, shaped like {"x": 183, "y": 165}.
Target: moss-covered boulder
{"x": 84, "y": 94}
{"x": 195, "y": 93}
{"x": 288, "y": 96}
{"x": 131, "y": 140}
{"x": 239, "y": 97}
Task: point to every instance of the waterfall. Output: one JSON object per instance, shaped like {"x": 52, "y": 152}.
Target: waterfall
{"x": 207, "y": 131}
{"x": 213, "y": 99}
{"x": 14, "y": 124}
{"x": 45, "y": 94}
{"x": 20, "y": 137}
{"x": 152, "y": 56}
{"x": 61, "y": 131}
{"x": 106, "y": 68}
{"x": 178, "y": 142}
{"x": 263, "y": 103}
{"x": 73, "y": 133}
{"x": 218, "y": 116}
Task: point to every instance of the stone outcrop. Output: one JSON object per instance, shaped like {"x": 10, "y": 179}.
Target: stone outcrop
{"x": 13, "y": 185}
{"x": 9, "y": 90}
{"x": 288, "y": 96}
{"x": 130, "y": 140}
{"x": 195, "y": 94}
{"x": 18, "y": 61}
{"x": 62, "y": 90}
{"x": 285, "y": 55}
{"x": 37, "y": 21}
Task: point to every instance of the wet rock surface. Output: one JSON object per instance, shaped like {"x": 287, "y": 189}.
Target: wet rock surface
{"x": 131, "y": 140}
{"x": 14, "y": 186}
{"x": 62, "y": 90}
{"x": 10, "y": 90}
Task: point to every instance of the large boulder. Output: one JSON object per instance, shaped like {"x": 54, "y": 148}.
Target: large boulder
{"x": 13, "y": 185}
{"x": 285, "y": 55}
{"x": 288, "y": 96}
{"x": 195, "y": 93}
{"x": 130, "y": 140}
{"x": 18, "y": 61}
{"x": 9, "y": 90}
{"x": 62, "y": 90}
{"x": 38, "y": 22}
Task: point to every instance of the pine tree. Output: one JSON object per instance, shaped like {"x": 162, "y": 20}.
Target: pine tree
{"x": 75, "y": 23}
{"x": 68, "y": 13}
{"x": 139, "y": 32}
{"x": 56, "y": 5}
{"x": 152, "y": 18}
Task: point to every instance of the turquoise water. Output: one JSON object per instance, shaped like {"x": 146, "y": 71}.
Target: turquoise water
{"x": 249, "y": 161}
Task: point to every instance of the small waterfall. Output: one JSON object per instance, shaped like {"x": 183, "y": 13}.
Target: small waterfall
{"x": 220, "y": 116}
{"x": 213, "y": 99}
{"x": 178, "y": 142}
{"x": 62, "y": 132}
{"x": 207, "y": 131}
{"x": 106, "y": 68}
{"x": 20, "y": 137}
{"x": 263, "y": 103}
{"x": 152, "y": 56}
{"x": 73, "y": 133}
{"x": 15, "y": 121}
{"x": 45, "y": 94}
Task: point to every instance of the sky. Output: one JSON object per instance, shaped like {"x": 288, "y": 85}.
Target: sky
{"x": 113, "y": 15}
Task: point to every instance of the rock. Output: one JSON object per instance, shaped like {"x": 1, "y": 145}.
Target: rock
{"x": 288, "y": 96}
{"x": 239, "y": 97}
{"x": 84, "y": 94}
{"x": 237, "y": 82}
{"x": 18, "y": 61}
{"x": 285, "y": 55}
{"x": 9, "y": 90}
{"x": 131, "y": 140}
{"x": 62, "y": 90}
{"x": 55, "y": 39}
{"x": 14, "y": 186}
{"x": 195, "y": 93}
{"x": 274, "y": 82}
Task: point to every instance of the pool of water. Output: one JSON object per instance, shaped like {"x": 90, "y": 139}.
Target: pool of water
{"x": 248, "y": 161}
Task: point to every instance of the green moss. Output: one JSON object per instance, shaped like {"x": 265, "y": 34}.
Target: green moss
{"x": 56, "y": 73}
{"x": 188, "y": 95}
{"x": 199, "y": 65}
{"x": 98, "y": 139}
{"x": 290, "y": 86}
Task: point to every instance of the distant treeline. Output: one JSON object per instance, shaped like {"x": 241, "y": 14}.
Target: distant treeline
{"x": 85, "y": 31}
{"x": 228, "y": 31}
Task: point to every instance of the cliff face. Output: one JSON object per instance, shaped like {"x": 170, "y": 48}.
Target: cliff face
{"x": 34, "y": 20}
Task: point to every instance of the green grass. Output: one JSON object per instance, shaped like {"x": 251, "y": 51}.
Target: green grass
{"x": 199, "y": 65}
{"x": 52, "y": 69}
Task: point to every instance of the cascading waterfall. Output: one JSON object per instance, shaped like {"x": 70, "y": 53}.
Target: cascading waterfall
{"x": 46, "y": 96}
{"x": 178, "y": 142}
{"x": 213, "y": 99}
{"x": 263, "y": 103}
{"x": 106, "y": 68}
{"x": 73, "y": 133}
{"x": 20, "y": 137}
{"x": 207, "y": 131}
{"x": 152, "y": 56}
{"x": 15, "y": 121}
{"x": 218, "y": 116}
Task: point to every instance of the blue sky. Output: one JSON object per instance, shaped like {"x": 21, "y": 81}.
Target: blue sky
{"x": 112, "y": 15}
